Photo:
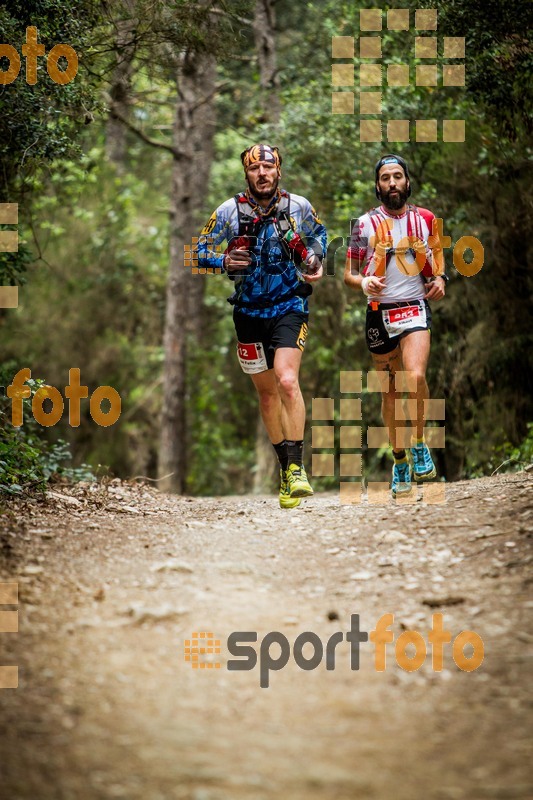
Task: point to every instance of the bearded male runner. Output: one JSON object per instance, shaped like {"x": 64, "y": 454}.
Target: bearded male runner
{"x": 273, "y": 269}
{"x": 395, "y": 257}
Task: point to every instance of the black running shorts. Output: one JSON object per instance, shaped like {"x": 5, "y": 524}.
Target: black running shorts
{"x": 259, "y": 338}
{"x": 390, "y": 322}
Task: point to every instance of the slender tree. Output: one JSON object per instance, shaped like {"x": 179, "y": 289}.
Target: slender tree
{"x": 265, "y": 46}
{"x": 193, "y": 131}
{"x": 121, "y": 85}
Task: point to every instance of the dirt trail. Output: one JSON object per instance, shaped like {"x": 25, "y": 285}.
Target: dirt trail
{"x": 113, "y": 581}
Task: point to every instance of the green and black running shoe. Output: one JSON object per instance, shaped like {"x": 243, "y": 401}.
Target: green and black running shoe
{"x": 297, "y": 481}
{"x": 285, "y": 499}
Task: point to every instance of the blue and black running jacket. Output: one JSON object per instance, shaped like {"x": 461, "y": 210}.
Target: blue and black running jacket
{"x": 270, "y": 286}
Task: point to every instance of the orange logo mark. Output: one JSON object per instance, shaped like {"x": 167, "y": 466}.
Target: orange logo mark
{"x": 190, "y": 256}
{"x": 202, "y": 643}
{"x": 18, "y": 391}
{"x": 31, "y": 50}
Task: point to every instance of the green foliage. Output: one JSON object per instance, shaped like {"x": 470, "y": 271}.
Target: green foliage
{"x": 104, "y": 242}
{"x": 505, "y": 456}
{"x": 523, "y": 454}
{"x": 499, "y": 57}
{"x": 28, "y": 460}
{"x": 95, "y": 242}
{"x": 14, "y": 266}
{"x": 39, "y": 123}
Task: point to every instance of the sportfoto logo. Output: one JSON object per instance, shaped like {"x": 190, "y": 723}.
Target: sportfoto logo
{"x": 17, "y": 391}
{"x": 32, "y": 50}
{"x": 204, "y": 644}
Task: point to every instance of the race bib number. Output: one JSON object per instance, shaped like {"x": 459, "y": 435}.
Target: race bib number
{"x": 398, "y": 320}
{"x": 252, "y": 358}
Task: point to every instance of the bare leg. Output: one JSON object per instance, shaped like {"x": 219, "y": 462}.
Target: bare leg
{"x": 391, "y": 363}
{"x": 415, "y": 354}
{"x": 287, "y": 362}
{"x": 270, "y": 404}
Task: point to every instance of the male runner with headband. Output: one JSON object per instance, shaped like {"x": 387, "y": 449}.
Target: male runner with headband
{"x": 395, "y": 257}
{"x": 273, "y": 269}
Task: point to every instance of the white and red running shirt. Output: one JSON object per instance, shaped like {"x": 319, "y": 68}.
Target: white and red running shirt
{"x": 379, "y": 225}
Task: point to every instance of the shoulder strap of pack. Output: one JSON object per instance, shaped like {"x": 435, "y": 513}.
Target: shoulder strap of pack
{"x": 411, "y": 209}
{"x": 373, "y": 213}
{"x": 376, "y": 217}
{"x": 250, "y": 223}
{"x": 243, "y": 204}
{"x": 414, "y": 220}
{"x": 284, "y": 211}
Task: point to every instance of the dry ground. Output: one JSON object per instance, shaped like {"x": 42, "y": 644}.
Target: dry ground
{"x": 113, "y": 580}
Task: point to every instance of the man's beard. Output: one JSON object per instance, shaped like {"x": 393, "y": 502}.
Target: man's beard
{"x": 396, "y": 201}
{"x": 263, "y": 194}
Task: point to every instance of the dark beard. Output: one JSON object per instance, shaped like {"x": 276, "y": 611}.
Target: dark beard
{"x": 265, "y": 194}
{"x": 395, "y": 202}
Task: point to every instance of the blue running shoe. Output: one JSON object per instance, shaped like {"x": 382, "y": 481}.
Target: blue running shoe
{"x": 423, "y": 466}
{"x": 401, "y": 478}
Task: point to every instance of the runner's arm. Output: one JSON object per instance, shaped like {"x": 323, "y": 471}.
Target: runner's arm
{"x": 356, "y": 256}
{"x": 217, "y": 230}
{"x": 316, "y": 240}
{"x": 436, "y": 285}
{"x": 352, "y": 272}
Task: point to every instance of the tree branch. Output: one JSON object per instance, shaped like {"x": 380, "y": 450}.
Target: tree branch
{"x": 220, "y": 13}
{"x": 247, "y": 59}
{"x": 177, "y": 154}
{"x": 222, "y": 87}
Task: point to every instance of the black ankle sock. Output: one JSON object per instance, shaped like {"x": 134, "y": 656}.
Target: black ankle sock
{"x": 295, "y": 452}
{"x": 398, "y": 454}
{"x": 281, "y": 452}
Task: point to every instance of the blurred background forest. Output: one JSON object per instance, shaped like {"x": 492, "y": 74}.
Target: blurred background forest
{"x": 117, "y": 170}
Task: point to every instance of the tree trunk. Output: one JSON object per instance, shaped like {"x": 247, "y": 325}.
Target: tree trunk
{"x": 193, "y": 132}
{"x": 120, "y": 90}
{"x": 265, "y": 42}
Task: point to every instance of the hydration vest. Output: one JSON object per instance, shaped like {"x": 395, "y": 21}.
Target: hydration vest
{"x": 250, "y": 224}
{"x": 413, "y": 229}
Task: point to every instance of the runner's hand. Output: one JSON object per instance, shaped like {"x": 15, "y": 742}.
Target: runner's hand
{"x": 314, "y": 265}
{"x": 237, "y": 259}
{"x": 435, "y": 289}
{"x": 372, "y": 285}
